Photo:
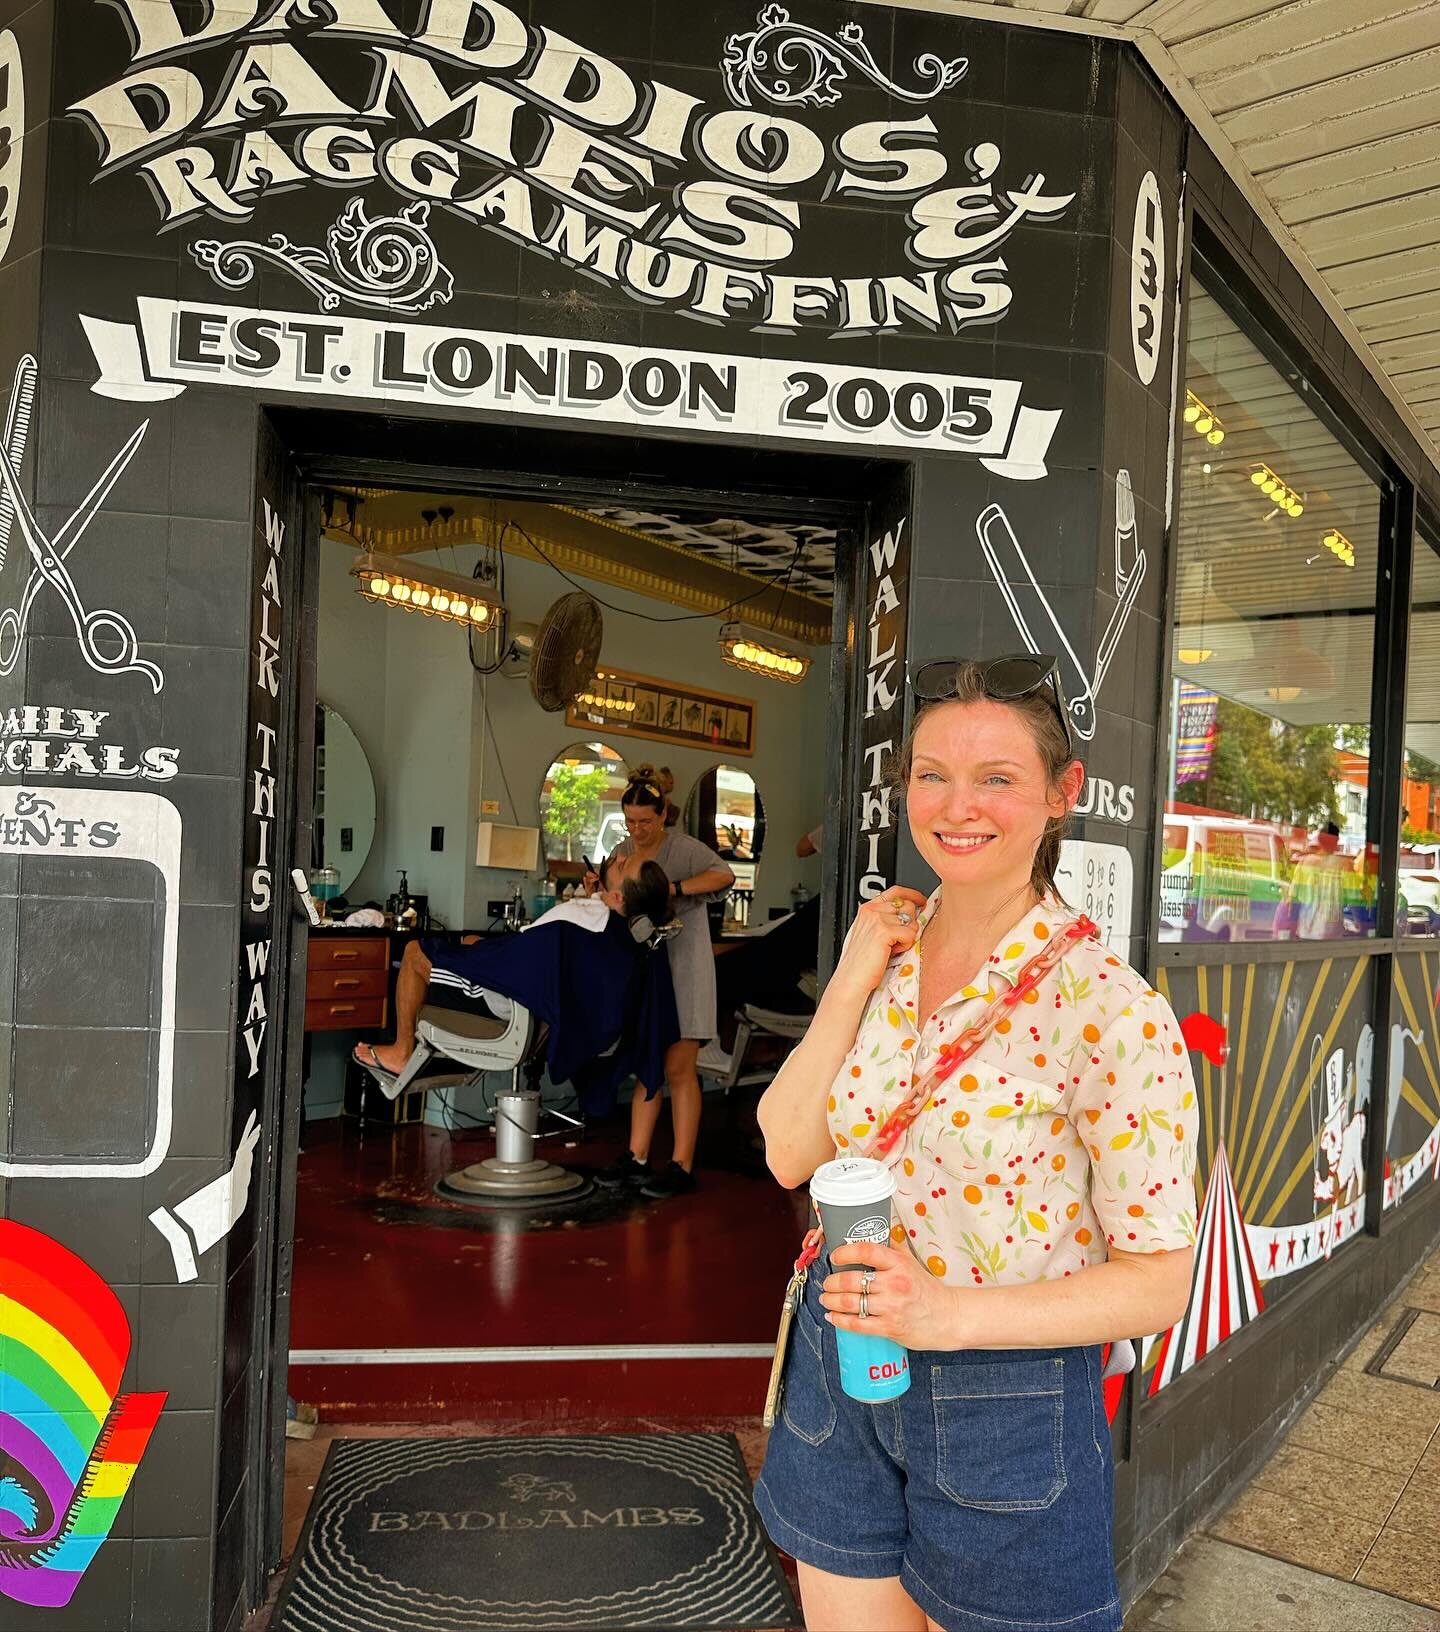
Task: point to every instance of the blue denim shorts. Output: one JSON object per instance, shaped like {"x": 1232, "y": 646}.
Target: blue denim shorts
{"x": 987, "y": 1487}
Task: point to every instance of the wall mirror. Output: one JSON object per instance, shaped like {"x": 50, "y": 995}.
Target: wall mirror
{"x": 580, "y": 806}
{"x": 344, "y": 797}
{"x": 725, "y": 811}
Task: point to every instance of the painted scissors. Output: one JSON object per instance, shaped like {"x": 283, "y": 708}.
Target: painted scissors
{"x": 95, "y": 630}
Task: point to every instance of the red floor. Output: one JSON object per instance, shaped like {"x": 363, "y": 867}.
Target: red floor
{"x": 381, "y": 1263}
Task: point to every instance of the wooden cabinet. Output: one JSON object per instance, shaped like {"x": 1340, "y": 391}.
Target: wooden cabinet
{"x": 347, "y": 982}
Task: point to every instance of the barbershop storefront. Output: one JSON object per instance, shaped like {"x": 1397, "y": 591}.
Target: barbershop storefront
{"x": 804, "y": 344}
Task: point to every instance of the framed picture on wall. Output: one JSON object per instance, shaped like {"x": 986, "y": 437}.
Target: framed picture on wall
{"x": 663, "y": 711}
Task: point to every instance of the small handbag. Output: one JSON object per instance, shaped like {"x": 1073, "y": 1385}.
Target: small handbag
{"x": 964, "y": 1046}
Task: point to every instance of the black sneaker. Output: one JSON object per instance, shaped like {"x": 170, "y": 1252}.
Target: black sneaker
{"x": 622, "y": 1171}
{"x": 674, "y": 1181}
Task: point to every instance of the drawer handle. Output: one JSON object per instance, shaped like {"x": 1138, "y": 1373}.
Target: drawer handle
{"x": 349, "y": 982}
{"x": 342, "y": 1008}
{"x": 346, "y": 954}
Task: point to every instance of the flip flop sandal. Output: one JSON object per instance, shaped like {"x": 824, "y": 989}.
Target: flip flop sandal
{"x": 372, "y": 1065}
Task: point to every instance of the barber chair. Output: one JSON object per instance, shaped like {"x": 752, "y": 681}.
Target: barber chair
{"x": 751, "y": 1023}
{"x": 514, "y": 1175}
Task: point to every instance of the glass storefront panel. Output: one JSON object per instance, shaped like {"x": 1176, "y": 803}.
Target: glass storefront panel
{"x": 1265, "y": 833}
{"x": 1418, "y": 905}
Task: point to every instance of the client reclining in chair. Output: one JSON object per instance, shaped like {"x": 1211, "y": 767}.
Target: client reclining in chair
{"x": 591, "y": 970}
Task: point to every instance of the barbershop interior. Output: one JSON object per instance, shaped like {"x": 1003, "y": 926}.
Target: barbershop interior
{"x": 493, "y": 674}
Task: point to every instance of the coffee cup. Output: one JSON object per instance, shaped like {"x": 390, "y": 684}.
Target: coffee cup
{"x": 852, "y": 1197}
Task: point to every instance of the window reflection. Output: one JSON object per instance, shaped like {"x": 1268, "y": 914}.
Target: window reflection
{"x": 1418, "y": 906}
{"x": 1265, "y": 830}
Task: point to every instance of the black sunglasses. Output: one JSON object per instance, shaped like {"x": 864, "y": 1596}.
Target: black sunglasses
{"x": 1006, "y": 679}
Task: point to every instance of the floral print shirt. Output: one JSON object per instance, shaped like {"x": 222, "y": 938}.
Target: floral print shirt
{"x": 1070, "y": 1130}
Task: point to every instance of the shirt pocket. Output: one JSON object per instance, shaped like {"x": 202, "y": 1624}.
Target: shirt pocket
{"x": 988, "y": 1121}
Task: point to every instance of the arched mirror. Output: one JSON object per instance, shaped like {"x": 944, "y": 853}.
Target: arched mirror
{"x": 725, "y": 811}
{"x": 344, "y": 797}
{"x": 580, "y": 807}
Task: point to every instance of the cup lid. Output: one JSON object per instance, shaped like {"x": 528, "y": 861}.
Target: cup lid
{"x": 852, "y": 1181}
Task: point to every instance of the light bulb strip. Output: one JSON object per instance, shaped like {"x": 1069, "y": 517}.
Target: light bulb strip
{"x": 1339, "y": 546}
{"x": 387, "y": 581}
{"x": 1276, "y": 491}
{"x": 758, "y": 652}
{"x": 1203, "y": 420}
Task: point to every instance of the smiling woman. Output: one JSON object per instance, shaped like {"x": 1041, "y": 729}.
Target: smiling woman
{"x": 1030, "y": 1094}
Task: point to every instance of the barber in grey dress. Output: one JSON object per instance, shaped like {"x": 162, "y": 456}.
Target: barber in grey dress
{"x": 696, "y": 874}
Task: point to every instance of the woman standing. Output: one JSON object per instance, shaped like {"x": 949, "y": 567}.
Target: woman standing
{"x": 695, "y": 873}
{"x": 1045, "y": 1201}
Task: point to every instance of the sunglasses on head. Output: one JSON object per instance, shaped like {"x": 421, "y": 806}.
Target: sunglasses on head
{"x": 1007, "y": 679}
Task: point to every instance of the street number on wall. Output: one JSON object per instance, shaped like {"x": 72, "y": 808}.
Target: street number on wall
{"x": 12, "y": 129}
{"x": 1147, "y": 278}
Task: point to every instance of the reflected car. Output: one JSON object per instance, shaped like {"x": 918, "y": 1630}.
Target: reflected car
{"x": 1418, "y": 912}
{"x": 1222, "y": 879}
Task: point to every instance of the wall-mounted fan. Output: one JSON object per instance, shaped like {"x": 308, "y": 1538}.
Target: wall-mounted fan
{"x": 561, "y": 653}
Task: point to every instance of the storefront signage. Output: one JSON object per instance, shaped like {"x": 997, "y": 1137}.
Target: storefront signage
{"x": 85, "y": 828}
{"x": 40, "y": 741}
{"x": 1147, "y": 278}
{"x": 12, "y": 134}
{"x": 575, "y": 156}
{"x": 176, "y": 343}
{"x": 886, "y": 596}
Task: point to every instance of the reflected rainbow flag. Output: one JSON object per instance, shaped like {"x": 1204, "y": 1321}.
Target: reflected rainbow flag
{"x": 69, "y": 1446}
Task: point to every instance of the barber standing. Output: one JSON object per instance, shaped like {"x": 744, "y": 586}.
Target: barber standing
{"x": 696, "y": 873}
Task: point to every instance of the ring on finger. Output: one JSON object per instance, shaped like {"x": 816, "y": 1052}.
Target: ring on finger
{"x": 867, "y": 1279}
{"x": 864, "y": 1303}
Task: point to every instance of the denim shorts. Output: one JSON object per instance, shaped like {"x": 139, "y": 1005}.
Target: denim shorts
{"x": 987, "y": 1487}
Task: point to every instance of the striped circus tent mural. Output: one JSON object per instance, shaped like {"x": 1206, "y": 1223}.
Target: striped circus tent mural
{"x": 1226, "y": 1291}
{"x": 69, "y": 1446}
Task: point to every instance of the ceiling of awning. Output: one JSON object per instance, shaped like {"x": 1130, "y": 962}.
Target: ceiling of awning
{"x": 1330, "y": 109}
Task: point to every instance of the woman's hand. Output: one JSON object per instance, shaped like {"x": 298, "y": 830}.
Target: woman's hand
{"x": 906, "y": 1302}
{"x": 887, "y": 925}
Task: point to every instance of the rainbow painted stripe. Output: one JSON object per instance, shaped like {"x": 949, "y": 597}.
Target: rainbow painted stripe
{"x": 68, "y": 1446}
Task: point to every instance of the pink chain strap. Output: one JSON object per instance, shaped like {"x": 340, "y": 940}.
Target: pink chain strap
{"x": 954, "y": 1055}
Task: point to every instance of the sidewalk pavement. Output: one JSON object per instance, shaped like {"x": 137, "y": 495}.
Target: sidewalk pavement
{"x": 1340, "y": 1530}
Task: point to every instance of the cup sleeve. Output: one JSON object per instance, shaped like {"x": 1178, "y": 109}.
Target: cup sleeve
{"x": 1137, "y": 1114}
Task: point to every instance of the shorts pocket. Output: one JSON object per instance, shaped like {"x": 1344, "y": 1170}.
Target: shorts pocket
{"x": 999, "y": 1433}
{"x": 808, "y": 1410}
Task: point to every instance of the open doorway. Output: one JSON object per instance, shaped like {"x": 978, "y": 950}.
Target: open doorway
{"x": 444, "y": 788}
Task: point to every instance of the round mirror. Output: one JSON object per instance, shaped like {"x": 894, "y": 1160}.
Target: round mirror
{"x": 580, "y": 805}
{"x": 344, "y": 797}
{"x": 725, "y": 811}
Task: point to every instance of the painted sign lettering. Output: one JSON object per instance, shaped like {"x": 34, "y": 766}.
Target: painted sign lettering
{"x": 633, "y": 181}
{"x": 178, "y": 343}
{"x": 1147, "y": 278}
{"x": 883, "y": 703}
{"x": 12, "y": 134}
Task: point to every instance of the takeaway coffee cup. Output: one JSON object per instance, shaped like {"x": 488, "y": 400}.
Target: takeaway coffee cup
{"x": 852, "y": 1197}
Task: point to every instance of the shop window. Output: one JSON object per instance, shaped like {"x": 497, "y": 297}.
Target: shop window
{"x": 725, "y": 811}
{"x": 580, "y": 816}
{"x": 1418, "y": 908}
{"x": 1265, "y": 832}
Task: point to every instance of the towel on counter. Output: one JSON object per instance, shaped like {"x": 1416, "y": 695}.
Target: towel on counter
{"x": 597, "y": 993}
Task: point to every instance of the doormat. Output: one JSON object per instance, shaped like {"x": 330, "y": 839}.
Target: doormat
{"x": 604, "y": 1532}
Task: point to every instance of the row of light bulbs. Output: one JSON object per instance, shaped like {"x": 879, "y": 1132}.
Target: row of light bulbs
{"x": 757, "y": 652}
{"x": 1336, "y": 542}
{"x": 1281, "y": 493}
{"x": 608, "y": 705}
{"x": 1204, "y": 420}
{"x": 423, "y": 599}
{"x": 435, "y": 593}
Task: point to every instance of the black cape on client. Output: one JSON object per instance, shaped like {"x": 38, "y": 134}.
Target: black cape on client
{"x": 607, "y": 998}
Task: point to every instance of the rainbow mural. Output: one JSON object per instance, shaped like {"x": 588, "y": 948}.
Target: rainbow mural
{"x": 68, "y": 1446}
